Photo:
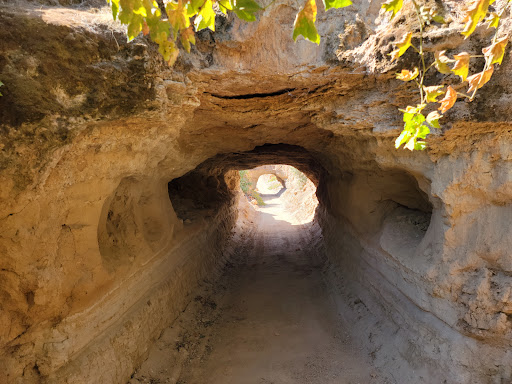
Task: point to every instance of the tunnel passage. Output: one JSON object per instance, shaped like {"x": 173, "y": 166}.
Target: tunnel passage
{"x": 376, "y": 226}
{"x": 279, "y": 263}
{"x": 202, "y": 192}
{"x": 162, "y": 238}
{"x": 97, "y": 258}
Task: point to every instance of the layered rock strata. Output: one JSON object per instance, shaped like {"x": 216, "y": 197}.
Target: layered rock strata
{"x": 118, "y": 194}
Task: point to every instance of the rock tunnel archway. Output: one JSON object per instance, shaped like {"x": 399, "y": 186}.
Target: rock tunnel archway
{"x": 118, "y": 195}
{"x": 269, "y": 169}
{"x": 387, "y": 204}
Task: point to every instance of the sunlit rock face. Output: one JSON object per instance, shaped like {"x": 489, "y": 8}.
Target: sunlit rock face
{"x": 119, "y": 191}
{"x": 296, "y": 191}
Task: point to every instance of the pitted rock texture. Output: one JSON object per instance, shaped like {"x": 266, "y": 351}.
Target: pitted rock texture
{"x": 98, "y": 257}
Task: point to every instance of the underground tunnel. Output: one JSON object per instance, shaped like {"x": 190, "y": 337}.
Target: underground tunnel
{"x": 131, "y": 253}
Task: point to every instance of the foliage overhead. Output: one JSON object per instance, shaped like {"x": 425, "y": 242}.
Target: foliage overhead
{"x": 416, "y": 125}
{"x": 177, "y": 21}
{"x": 180, "y": 19}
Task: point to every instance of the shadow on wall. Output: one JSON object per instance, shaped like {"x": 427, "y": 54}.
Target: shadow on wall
{"x": 370, "y": 199}
{"x": 199, "y": 195}
{"x": 135, "y": 222}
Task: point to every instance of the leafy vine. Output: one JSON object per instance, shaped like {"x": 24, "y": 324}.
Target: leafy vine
{"x": 416, "y": 125}
{"x": 175, "y": 22}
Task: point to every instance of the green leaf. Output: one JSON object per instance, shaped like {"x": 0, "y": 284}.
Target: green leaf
{"x": 158, "y": 29}
{"x": 305, "y": 23}
{"x": 225, "y": 6}
{"x": 423, "y": 131}
{"x": 193, "y": 7}
{"x": 135, "y": 27}
{"x": 140, "y": 10}
{"x": 418, "y": 119}
{"x": 206, "y": 17}
{"x": 246, "y": 9}
{"x": 393, "y": 6}
{"x": 328, "y": 4}
{"x": 439, "y": 19}
{"x": 420, "y": 145}
{"x": 413, "y": 128}
{"x": 115, "y": 8}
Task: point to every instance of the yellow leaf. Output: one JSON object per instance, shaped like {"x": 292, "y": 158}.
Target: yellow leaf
{"x": 407, "y": 75}
{"x": 402, "y": 46}
{"x": 414, "y": 110}
{"x": 405, "y": 43}
{"x": 305, "y": 23}
{"x": 478, "y": 81}
{"x": 433, "y": 119}
{"x": 496, "y": 51}
{"x": 449, "y": 99}
{"x": 205, "y": 18}
{"x": 177, "y": 15}
{"x": 461, "y": 67}
{"x": 392, "y": 6}
{"x": 174, "y": 56}
{"x": 441, "y": 62}
{"x": 494, "y": 20}
{"x": 394, "y": 54}
{"x": 476, "y": 12}
{"x": 433, "y": 92}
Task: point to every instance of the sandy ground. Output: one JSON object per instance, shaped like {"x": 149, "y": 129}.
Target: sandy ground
{"x": 270, "y": 319}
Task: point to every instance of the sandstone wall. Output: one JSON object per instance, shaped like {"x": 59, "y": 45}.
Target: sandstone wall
{"x": 96, "y": 258}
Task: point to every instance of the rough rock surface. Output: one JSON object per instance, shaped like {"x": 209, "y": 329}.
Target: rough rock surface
{"x": 96, "y": 259}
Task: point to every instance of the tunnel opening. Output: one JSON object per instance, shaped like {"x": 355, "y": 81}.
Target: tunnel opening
{"x": 281, "y": 185}
{"x": 269, "y": 184}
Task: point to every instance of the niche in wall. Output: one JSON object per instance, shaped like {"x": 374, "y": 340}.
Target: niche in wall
{"x": 405, "y": 225}
{"x": 200, "y": 194}
{"x": 136, "y": 221}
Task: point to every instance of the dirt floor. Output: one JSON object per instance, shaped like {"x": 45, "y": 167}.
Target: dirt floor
{"x": 270, "y": 319}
